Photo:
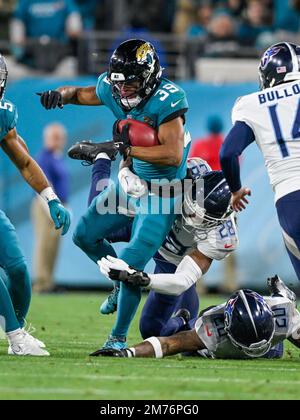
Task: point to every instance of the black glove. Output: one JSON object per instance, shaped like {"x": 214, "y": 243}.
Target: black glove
{"x": 122, "y": 139}
{"x": 138, "y": 278}
{"x": 110, "y": 353}
{"x": 51, "y": 99}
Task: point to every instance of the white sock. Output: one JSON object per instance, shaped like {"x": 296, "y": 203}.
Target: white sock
{"x": 14, "y": 335}
{"x": 102, "y": 156}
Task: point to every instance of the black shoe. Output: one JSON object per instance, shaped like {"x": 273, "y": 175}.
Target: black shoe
{"x": 185, "y": 315}
{"x": 278, "y": 288}
{"x": 88, "y": 151}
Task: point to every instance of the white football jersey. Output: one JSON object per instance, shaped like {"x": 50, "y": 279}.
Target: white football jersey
{"x": 211, "y": 329}
{"x": 216, "y": 244}
{"x": 274, "y": 117}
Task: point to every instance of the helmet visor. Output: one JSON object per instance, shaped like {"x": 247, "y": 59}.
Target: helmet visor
{"x": 255, "y": 350}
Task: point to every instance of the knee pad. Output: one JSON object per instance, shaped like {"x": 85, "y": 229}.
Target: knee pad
{"x": 18, "y": 270}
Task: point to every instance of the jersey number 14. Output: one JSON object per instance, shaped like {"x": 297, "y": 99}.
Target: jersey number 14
{"x": 278, "y": 132}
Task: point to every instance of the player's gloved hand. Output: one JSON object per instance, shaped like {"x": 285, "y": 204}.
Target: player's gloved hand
{"x": 122, "y": 139}
{"x": 110, "y": 353}
{"x": 51, "y": 99}
{"x": 131, "y": 184}
{"x": 60, "y": 216}
{"x": 119, "y": 270}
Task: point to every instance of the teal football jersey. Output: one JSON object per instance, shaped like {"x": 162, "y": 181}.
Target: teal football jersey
{"x": 167, "y": 102}
{"x": 8, "y": 117}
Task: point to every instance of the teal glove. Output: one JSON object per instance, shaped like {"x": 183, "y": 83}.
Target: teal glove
{"x": 60, "y": 216}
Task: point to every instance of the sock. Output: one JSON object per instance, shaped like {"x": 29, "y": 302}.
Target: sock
{"x": 14, "y": 336}
{"x": 128, "y": 303}
{"x": 100, "y": 176}
{"x": 19, "y": 288}
{"x": 8, "y": 319}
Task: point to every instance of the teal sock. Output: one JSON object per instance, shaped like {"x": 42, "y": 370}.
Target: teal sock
{"x": 128, "y": 303}
{"x": 19, "y": 287}
{"x": 8, "y": 319}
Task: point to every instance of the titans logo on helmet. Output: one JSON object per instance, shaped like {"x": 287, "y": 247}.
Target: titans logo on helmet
{"x": 271, "y": 52}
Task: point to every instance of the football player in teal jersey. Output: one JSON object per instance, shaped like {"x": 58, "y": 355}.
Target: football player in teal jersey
{"x": 15, "y": 294}
{"x": 133, "y": 88}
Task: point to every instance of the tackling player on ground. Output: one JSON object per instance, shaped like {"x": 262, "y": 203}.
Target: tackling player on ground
{"x": 205, "y": 232}
{"x": 271, "y": 117}
{"x": 132, "y": 88}
{"x": 16, "y": 296}
{"x": 248, "y": 326}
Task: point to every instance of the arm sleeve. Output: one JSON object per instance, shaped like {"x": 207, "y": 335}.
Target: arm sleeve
{"x": 239, "y": 138}
{"x": 186, "y": 275}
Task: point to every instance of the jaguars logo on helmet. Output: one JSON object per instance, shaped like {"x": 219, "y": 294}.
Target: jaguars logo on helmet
{"x": 145, "y": 54}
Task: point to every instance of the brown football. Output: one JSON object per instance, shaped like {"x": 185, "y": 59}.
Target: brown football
{"x": 141, "y": 134}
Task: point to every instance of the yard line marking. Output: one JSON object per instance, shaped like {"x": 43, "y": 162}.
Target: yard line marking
{"x": 136, "y": 378}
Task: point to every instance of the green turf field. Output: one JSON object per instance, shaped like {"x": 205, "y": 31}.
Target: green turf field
{"x": 70, "y": 326}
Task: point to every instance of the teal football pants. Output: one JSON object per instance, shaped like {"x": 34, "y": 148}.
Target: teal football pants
{"x": 15, "y": 296}
{"x": 148, "y": 233}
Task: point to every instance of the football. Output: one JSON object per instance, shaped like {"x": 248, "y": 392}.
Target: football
{"x": 141, "y": 134}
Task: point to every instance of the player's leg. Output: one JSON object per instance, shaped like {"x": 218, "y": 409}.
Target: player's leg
{"x": 20, "y": 342}
{"x": 94, "y": 226}
{"x": 187, "y": 307}
{"x": 14, "y": 264}
{"x": 158, "y": 308}
{"x": 8, "y": 319}
{"x": 100, "y": 178}
{"x": 289, "y": 219}
{"x": 149, "y": 232}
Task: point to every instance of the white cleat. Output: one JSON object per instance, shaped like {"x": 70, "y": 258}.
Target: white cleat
{"x": 29, "y": 330}
{"x": 25, "y": 345}
{"x": 38, "y": 342}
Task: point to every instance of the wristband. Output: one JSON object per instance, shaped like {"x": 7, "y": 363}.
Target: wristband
{"x": 48, "y": 195}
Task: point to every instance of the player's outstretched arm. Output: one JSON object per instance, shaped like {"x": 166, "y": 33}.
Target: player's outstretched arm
{"x": 190, "y": 270}
{"x": 159, "y": 348}
{"x": 16, "y": 149}
{"x": 52, "y": 99}
{"x": 168, "y": 153}
{"x": 187, "y": 341}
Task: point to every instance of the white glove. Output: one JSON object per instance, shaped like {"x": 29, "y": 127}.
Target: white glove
{"x": 131, "y": 184}
{"x": 111, "y": 263}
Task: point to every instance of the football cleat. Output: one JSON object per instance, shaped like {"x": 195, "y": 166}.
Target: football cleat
{"x": 115, "y": 343}
{"x": 29, "y": 330}
{"x": 87, "y": 151}
{"x": 110, "y": 305}
{"x": 25, "y": 345}
{"x": 184, "y": 314}
{"x": 278, "y": 287}
{"x": 110, "y": 353}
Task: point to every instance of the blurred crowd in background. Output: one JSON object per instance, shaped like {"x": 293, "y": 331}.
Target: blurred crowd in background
{"x": 235, "y": 24}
